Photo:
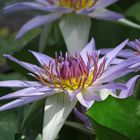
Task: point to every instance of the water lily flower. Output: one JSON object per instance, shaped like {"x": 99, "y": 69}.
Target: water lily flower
{"x": 84, "y": 77}
{"x": 80, "y": 76}
{"x": 57, "y": 8}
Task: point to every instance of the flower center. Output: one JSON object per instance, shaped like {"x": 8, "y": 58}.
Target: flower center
{"x": 77, "y": 4}
{"x": 71, "y": 73}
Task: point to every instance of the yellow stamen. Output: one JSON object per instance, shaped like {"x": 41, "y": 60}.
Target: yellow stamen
{"x": 77, "y": 4}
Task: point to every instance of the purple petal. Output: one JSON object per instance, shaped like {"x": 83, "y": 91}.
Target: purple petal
{"x": 110, "y": 86}
{"x": 130, "y": 87}
{"x": 91, "y": 94}
{"x": 83, "y": 118}
{"x": 43, "y": 6}
{"x": 126, "y": 53}
{"x": 24, "y": 6}
{"x": 112, "y": 54}
{"x": 20, "y": 102}
{"x": 29, "y": 92}
{"x": 19, "y": 83}
{"x": 17, "y": 94}
{"x": 103, "y": 3}
{"x": 123, "y": 53}
{"x": 117, "y": 61}
{"x": 105, "y": 14}
{"x": 28, "y": 66}
{"x": 43, "y": 2}
{"x": 135, "y": 44}
{"x": 136, "y": 66}
{"x": 118, "y": 71}
{"x": 38, "y": 21}
{"x": 89, "y": 49}
{"x": 42, "y": 58}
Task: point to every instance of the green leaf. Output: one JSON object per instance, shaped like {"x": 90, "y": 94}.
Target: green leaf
{"x": 134, "y": 11}
{"x": 116, "y": 117}
{"x": 129, "y": 23}
{"x": 75, "y": 30}
{"x": 109, "y": 34}
{"x": 33, "y": 121}
{"x": 44, "y": 37}
{"x": 34, "y": 109}
{"x": 8, "y": 123}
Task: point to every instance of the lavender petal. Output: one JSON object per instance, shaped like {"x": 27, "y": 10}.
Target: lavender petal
{"x": 105, "y": 14}
{"x": 30, "y": 92}
{"x": 112, "y": 54}
{"x": 42, "y": 58}
{"x": 123, "y": 53}
{"x": 103, "y": 3}
{"x": 26, "y": 65}
{"x": 83, "y": 118}
{"x": 119, "y": 70}
{"x": 19, "y": 83}
{"x": 130, "y": 87}
{"x": 20, "y": 102}
{"x": 38, "y": 21}
{"x": 89, "y": 49}
{"x": 111, "y": 86}
{"x": 23, "y": 6}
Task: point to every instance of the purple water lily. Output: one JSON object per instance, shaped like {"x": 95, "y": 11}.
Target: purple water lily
{"x": 57, "y": 8}
{"x": 83, "y": 76}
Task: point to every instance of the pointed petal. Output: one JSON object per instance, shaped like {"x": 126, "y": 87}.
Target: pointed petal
{"x": 30, "y": 92}
{"x": 111, "y": 86}
{"x": 103, "y": 3}
{"x": 112, "y": 54}
{"x": 23, "y": 6}
{"x": 19, "y": 83}
{"x": 130, "y": 87}
{"x": 57, "y": 109}
{"x": 16, "y": 94}
{"x": 118, "y": 71}
{"x": 28, "y": 66}
{"x": 135, "y": 44}
{"x": 123, "y": 53}
{"x": 136, "y": 66}
{"x": 20, "y": 102}
{"x": 42, "y": 6}
{"x": 38, "y": 21}
{"x": 105, "y": 14}
{"x": 89, "y": 49}
{"x": 42, "y": 58}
